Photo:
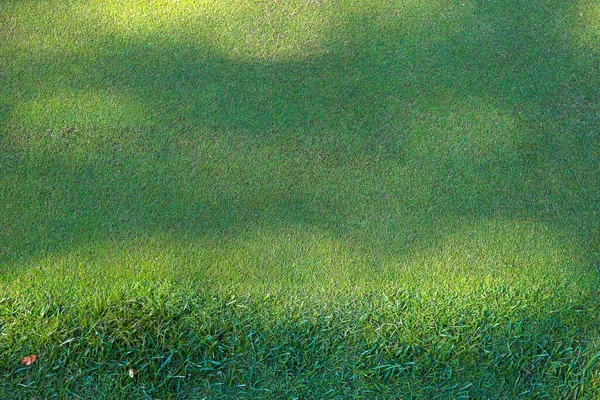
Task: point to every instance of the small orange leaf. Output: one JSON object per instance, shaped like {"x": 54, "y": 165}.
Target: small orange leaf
{"x": 132, "y": 372}
{"x": 30, "y": 359}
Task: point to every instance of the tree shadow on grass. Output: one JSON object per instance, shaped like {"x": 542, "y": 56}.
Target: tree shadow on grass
{"x": 392, "y": 137}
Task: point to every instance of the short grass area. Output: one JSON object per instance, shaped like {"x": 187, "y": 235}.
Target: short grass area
{"x": 300, "y": 199}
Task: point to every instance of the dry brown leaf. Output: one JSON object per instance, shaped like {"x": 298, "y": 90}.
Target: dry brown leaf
{"x": 30, "y": 359}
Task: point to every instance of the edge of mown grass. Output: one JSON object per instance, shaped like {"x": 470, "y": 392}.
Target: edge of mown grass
{"x": 380, "y": 343}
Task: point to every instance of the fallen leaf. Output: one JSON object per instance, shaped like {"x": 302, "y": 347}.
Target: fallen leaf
{"x": 132, "y": 372}
{"x": 30, "y": 359}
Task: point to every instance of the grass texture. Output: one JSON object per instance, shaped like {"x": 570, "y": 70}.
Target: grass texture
{"x": 300, "y": 199}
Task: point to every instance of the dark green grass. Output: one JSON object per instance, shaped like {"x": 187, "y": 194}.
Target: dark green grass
{"x": 315, "y": 199}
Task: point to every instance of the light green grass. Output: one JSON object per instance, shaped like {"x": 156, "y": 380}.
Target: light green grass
{"x": 300, "y": 199}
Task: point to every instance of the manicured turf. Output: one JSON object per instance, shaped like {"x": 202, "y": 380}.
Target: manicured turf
{"x": 300, "y": 199}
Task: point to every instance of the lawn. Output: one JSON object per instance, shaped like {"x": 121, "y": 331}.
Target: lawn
{"x": 300, "y": 199}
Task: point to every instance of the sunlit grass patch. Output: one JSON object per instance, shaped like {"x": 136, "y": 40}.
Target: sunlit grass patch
{"x": 84, "y": 109}
{"x": 516, "y": 255}
{"x": 233, "y": 29}
{"x": 588, "y": 29}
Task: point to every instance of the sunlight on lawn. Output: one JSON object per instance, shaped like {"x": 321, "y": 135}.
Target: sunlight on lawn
{"x": 267, "y": 30}
{"x": 437, "y": 217}
{"x": 500, "y": 252}
{"x": 350, "y": 155}
{"x": 589, "y": 23}
{"x": 234, "y": 29}
{"x": 85, "y": 108}
{"x": 514, "y": 254}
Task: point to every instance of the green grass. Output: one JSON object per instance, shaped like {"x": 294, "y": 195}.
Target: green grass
{"x": 300, "y": 199}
